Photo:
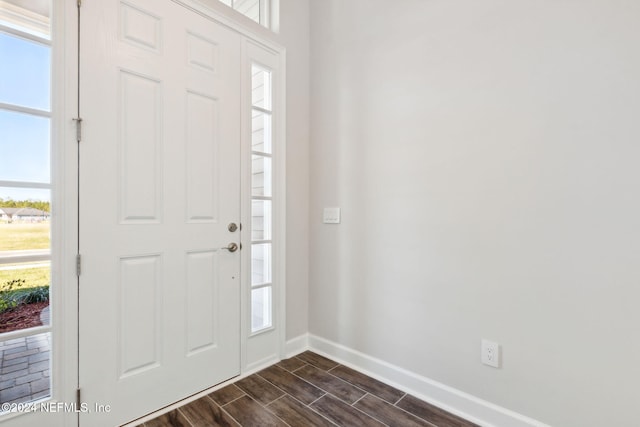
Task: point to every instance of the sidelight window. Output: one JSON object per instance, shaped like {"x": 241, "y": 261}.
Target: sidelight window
{"x": 25, "y": 200}
{"x": 261, "y": 199}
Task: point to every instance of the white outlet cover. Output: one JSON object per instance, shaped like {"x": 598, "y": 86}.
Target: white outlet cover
{"x": 331, "y": 216}
{"x": 490, "y": 354}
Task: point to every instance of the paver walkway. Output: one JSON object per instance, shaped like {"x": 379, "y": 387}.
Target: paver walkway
{"x": 24, "y": 368}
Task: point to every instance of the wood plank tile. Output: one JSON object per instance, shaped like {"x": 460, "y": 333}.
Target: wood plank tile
{"x": 293, "y": 385}
{"x": 389, "y": 414}
{"x": 295, "y": 413}
{"x": 259, "y": 389}
{"x": 317, "y": 360}
{"x": 250, "y": 413}
{"x": 291, "y": 364}
{"x": 373, "y": 386}
{"x": 331, "y": 384}
{"x": 204, "y": 412}
{"x": 170, "y": 419}
{"x": 226, "y": 394}
{"x": 342, "y": 414}
{"x": 432, "y": 413}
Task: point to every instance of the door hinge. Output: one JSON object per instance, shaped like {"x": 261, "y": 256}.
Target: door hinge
{"x": 78, "y": 264}
{"x": 79, "y": 3}
{"x": 78, "y": 121}
{"x": 78, "y": 399}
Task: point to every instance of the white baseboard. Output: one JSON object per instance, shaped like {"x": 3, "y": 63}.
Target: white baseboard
{"x": 296, "y": 345}
{"x": 448, "y": 398}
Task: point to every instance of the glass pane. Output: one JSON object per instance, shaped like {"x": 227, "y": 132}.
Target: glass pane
{"x": 25, "y": 270}
{"x": 249, "y": 8}
{"x": 261, "y": 220}
{"x": 33, "y": 381}
{"x": 261, "y": 87}
{"x": 261, "y": 176}
{"x": 27, "y": 81}
{"x": 25, "y": 222}
{"x": 260, "y": 308}
{"x": 260, "y": 263}
{"x": 261, "y": 132}
{"x": 24, "y": 147}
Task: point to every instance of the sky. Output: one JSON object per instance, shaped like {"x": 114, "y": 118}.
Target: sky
{"x": 24, "y": 139}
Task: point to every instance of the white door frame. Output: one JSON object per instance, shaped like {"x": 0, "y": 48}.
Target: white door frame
{"x": 268, "y": 346}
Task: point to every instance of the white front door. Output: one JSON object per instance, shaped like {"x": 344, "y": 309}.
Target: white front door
{"x": 159, "y": 186}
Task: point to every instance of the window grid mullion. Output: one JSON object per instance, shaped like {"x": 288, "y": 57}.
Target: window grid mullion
{"x": 262, "y": 242}
{"x": 262, "y": 110}
{"x": 263, "y": 154}
{"x": 262, "y": 285}
{"x": 15, "y": 108}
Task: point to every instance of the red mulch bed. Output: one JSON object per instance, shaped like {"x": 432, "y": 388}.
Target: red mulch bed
{"x": 22, "y": 317}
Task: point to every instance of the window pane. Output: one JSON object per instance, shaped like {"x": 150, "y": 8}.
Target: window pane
{"x": 26, "y": 82}
{"x": 261, "y": 132}
{"x": 25, "y": 218}
{"x": 25, "y": 269}
{"x": 35, "y": 381}
{"x": 249, "y": 8}
{"x": 261, "y": 220}
{"x": 24, "y": 147}
{"x": 260, "y": 263}
{"x": 261, "y": 87}
{"x": 261, "y": 176}
{"x": 260, "y": 308}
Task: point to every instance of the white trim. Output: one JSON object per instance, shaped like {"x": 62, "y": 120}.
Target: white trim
{"x": 219, "y": 12}
{"x": 24, "y": 110}
{"x": 279, "y": 171}
{"x": 21, "y": 333}
{"x": 24, "y": 21}
{"x": 448, "y": 398}
{"x": 296, "y": 345}
{"x": 25, "y": 184}
{"x": 269, "y": 343}
{"x": 64, "y": 314}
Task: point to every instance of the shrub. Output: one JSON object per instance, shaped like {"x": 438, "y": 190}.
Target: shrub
{"x": 10, "y": 297}
{"x": 33, "y": 295}
{"x": 7, "y": 294}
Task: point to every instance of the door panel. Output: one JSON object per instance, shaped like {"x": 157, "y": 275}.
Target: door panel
{"x": 159, "y": 182}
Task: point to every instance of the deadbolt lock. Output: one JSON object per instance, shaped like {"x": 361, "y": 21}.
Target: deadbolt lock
{"x": 232, "y": 227}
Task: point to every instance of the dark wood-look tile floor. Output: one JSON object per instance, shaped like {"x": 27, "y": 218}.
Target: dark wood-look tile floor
{"x": 308, "y": 390}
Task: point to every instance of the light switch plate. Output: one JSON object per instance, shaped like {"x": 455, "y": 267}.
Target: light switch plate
{"x": 331, "y": 216}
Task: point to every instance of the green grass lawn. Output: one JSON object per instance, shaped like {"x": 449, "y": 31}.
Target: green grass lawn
{"x": 24, "y": 236}
{"x": 19, "y": 236}
{"x": 33, "y": 276}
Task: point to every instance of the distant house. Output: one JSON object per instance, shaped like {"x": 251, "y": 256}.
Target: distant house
{"x": 23, "y": 214}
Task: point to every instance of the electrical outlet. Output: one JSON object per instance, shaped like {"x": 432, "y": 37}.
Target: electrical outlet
{"x": 490, "y": 353}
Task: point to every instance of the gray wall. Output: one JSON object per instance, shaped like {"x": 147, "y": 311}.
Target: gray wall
{"x": 485, "y": 155}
